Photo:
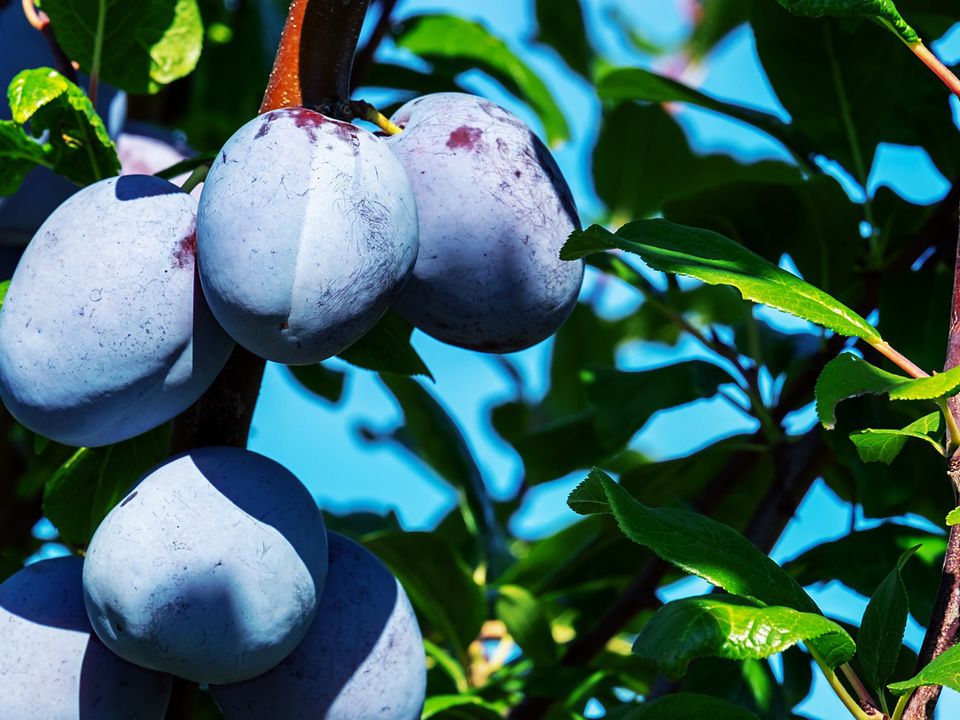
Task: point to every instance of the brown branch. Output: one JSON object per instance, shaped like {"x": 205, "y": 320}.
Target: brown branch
{"x": 365, "y": 57}
{"x": 944, "y": 625}
{"x": 312, "y": 67}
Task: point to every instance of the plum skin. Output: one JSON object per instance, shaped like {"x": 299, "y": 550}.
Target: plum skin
{"x": 53, "y": 666}
{"x": 104, "y": 333}
{"x": 210, "y": 568}
{"x": 494, "y": 212}
{"x": 362, "y": 659}
{"x": 307, "y": 231}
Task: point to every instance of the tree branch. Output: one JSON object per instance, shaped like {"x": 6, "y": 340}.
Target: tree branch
{"x": 944, "y": 625}
{"x": 365, "y": 56}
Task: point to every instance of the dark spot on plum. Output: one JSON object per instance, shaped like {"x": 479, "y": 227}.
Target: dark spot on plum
{"x": 307, "y": 120}
{"x": 223, "y": 156}
{"x": 517, "y": 173}
{"x": 129, "y": 497}
{"x": 464, "y": 137}
{"x": 186, "y": 251}
{"x": 264, "y": 128}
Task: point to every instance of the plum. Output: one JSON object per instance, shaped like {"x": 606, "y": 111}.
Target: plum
{"x": 494, "y": 212}
{"x": 210, "y": 568}
{"x": 52, "y": 666}
{"x": 104, "y": 333}
{"x": 306, "y": 232}
{"x": 363, "y": 658}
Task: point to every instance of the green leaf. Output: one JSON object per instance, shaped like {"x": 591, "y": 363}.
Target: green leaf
{"x": 729, "y": 628}
{"x": 883, "y": 11}
{"x": 861, "y": 560}
{"x": 4, "y": 286}
{"x": 85, "y": 488}
{"x": 144, "y": 45}
{"x": 562, "y": 26}
{"x": 619, "y": 404}
{"x": 848, "y": 376}
{"x": 438, "y": 583}
{"x": 459, "y": 707}
{"x": 433, "y": 437}
{"x": 716, "y": 260}
{"x": 527, "y": 623}
{"x": 19, "y": 154}
{"x": 882, "y": 626}
{"x": 953, "y": 517}
{"x": 694, "y": 543}
{"x": 320, "y": 380}
{"x": 839, "y": 105}
{"x": 386, "y": 348}
{"x": 942, "y": 670}
{"x": 448, "y": 665}
{"x": 80, "y": 146}
{"x": 455, "y": 43}
{"x": 881, "y": 445}
{"x": 689, "y": 706}
{"x": 635, "y": 177}
{"x": 622, "y": 84}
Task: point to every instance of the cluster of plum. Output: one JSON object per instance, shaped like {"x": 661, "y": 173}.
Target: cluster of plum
{"x": 216, "y": 568}
{"x": 308, "y": 229}
{"x": 125, "y": 306}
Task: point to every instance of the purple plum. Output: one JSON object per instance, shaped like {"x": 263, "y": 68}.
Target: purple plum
{"x": 53, "y": 667}
{"x": 494, "y": 212}
{"x": 209, "y": 568}
{"x": 104, "y": 333}
{"x": 362, "y": 659}
{"x": 307, "y": 231}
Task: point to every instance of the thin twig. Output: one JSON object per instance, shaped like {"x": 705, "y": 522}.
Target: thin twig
{"x": 945, "y": 74}
{"x": 40, "y": 21}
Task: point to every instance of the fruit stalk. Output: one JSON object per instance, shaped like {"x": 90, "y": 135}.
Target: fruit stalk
{"x": 315, "y": 58}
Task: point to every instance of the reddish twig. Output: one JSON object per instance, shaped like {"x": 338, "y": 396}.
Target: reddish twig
{"x": 40, "y": 21}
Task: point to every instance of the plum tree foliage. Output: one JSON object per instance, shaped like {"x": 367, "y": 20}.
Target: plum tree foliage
{"x": 189, "y": 188}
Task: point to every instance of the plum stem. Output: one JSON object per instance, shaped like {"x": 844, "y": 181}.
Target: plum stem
{"x": 369, "y": 113}
{"x": 315, "y": 58}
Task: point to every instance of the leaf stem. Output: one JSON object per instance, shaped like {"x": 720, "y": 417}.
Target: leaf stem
{"x": 952, "y": 430}
{"x": 945, "y": 74}
{"x": 858, "y": 685}
{"x": 901, "y": 706}
{"x": 97, "y": 53}
{"x": 848, "y": 702}
{"x": 899, "y": 359}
